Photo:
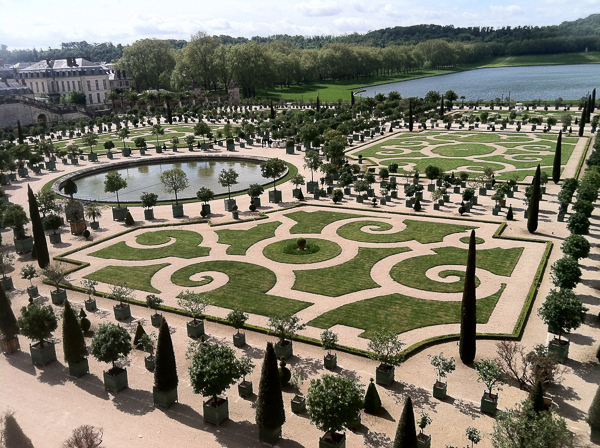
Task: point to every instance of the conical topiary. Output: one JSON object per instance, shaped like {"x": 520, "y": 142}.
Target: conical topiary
{"x": 593, "y": 417}
{"x": 74, "y": 346}
{"x": 372, "y": 400}
{"x": 139, "y": 332}
{"x": 509, "y": 214}
{"x": 12, "y": 434}
{"x": 8, "y": 322}
{"x": 598, "y": 353}
{"x": 557, "y": 159}
{"x": 534, "y": 202}
{"x": 406, "y": 434}
{"x": 300, "y": 196}
{"x": 537, "y": 397}
{"x": 84, "y": 322}
{"x": 284, "y": 373}
{"x": 165, "y": 366}
{"x": 129, "y": 219}
{"x": 270, "y": 413}
{"x": 417, "y": 206}
{"x": 468, "y": 313}
{"x": 41, "y": 245}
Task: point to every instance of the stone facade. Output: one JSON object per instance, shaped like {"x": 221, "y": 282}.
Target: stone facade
{"x": 28, "y": 111}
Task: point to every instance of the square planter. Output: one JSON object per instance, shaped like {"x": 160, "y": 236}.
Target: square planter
{"x": 489, "y": 403}
{"x": 9, "y": 346}
{"x": 275, "y": 196}
{"x": 7, "y": 283}
{"x": 206, "y": 209}
{"x": 119, "y": 213}
{"x": 423, "y": 441}
{"x": 92, "y": 157}
{"x": 158, "y": 150}
{"x": 51, "y": 165}
{"x": 298, "y": 404}
{"x": 482, "y": 191}
{"x": 359, "y": 199}
{"x": 108, "y": 154}
{"x": 23, "y": 172}
{"x": 164, "y": 399}
{"x": 177, "y": 210}
{"x": 90, "y": 304}
{"x": 79, "y": 369}
{"x": 32, "y": 291}
{"x": 335, "y": 440}
{"x": 216, "y": 414}
{"x": 126, "y": 152}
{"x": 384, "y": 375}
{"x": 94, "y": 225}
{"x": 256, "y": 201}
{"x": 289, "y": 150}
{"x": 311, "y": 186}
{"x": 150, "y": 363}
{"x": 296, "y": 192}
{"x": 115, "y": 379}
{"x": 156, "y": 319}
{"x": 229, "y": 203}
{"x": 77, "y": 227}
{"x": 430, "y": 187}
{"x": 195, "y": 330}
{"x": 122, "y": 311}
{"x": 436, "y": 206}
{"x": 269, "y": 435}
{"x": 330, "y": 361}
{"x": 456, "y": 189}
{"x": 286, "y": 350}
{"x": 58, "y": 297}
{"x": 24, "y": 245}
{"x": 439, "y": 390}
{"x": 42, "y": 355}
{"x": 245, "y": 389}
{"x": 239, "y": 339}
{"x": 560, "y": 348}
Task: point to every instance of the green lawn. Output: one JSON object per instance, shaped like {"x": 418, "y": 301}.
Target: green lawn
{"x": 136, "y": 277}
{"x": 286, "y": 251}
{"x": 473, "y": 166}
{"x": 351, "y": 276}
{"x": 246, "y": 289}
{"x": 463, "y": 149}
{"x": 315, "y": 222}
{"x": 467, "y": 240}
{"x": 401, "y": 313}
{"x": 412, "y": 272}
{"x": 240, "y": 240}
{"x": 186, "y": 245}
{"x": 422, "y": 231}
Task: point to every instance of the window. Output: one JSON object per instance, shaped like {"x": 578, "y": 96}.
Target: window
{"x": 79, "y": 85}
{"x": 37, "y": 88}
{"x": 63, "y": 85}
{"x": 43, "y": 87}
{"x": 89, "y": 83}
{"x": 69, "y": 86}
{"x": 104, "y": 83}
{"x": 91, "y": 98}
{"x": 99, "y": 100}
{"x": 97, "y": 85}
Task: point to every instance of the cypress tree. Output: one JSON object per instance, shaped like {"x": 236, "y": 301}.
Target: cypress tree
{"x": 509, "y": 214}
{"x": 442, "y": 107}
{"x": 39, "y": 237}
{"x": 468, "y": 312}
{"x": 139, "y": 332}
{"x": 534, "y": 203}
{"x": 318, "y": 104}
{"x": 8, "y": 322}
{"x": 593, "y": 100}
{"x": 270, "y": 413}
{"x": 165, "y": 366}
{"x": 557, "y": 159}
{"x": 410, "y": 116}
{"x": 406, "y": 434}
{"x": 74, "y": 346}
{"x": 272, "y": 111}
{"x": 537, "y": 397}
{"x": 352, "y": 98}
{"x": 129, "y": 221}
{"x": 12, "y": 434}
{"x": 588, "y": 110}
{"x": 372, "y": 400}
{"x": 417, "y": 206}
{"x": 593, "y": 417}
{"x": 582, "y": 121}
{"x": 20, "y": 133}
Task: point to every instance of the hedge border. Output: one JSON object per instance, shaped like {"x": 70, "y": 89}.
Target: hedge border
{"x": 583, "y": 158}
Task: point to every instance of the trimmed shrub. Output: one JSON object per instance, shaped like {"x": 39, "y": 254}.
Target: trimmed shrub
{"x": 270, "y": 413}
{"x": 372, "y": 400}
{"x": 165, "y": 370}
{"x": 139, "y": 332}
{"x": 129, "y": 221}
{"x": 74, "y": 346}
{"x": 406, "y": 434}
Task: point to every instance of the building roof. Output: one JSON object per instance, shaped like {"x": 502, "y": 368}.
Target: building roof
{"x": 69, "y": 63}
{"x": 14, "y": 88}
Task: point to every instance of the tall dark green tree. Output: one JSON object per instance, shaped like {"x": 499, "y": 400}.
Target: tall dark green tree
{"x": 8, "y": 322}
{"x": 588, "y": 110}
{"x": 74, "y": 346}
{"x": 593, "y": 418}
{"x": 272, "y": 111}
{"x": 537, "y": 397}
{"x": 270, "y": 413}
{"x": 406, "y": 434}
{"x": 468, "y": 311}
{"x": 557, "y": 159}
{"x": 39, "y": 237}
{"x": 352, "y": 98}
{"x": 593, "y": 101}
{"x": 442, "y": 107}
{"x": 20, "y": 133}
{"x": 165, "y": 366}
{"x": 410, "y": 116}
{"x": 372, "y": 400}
{"x": 534, "y": 202}
{"x": 582, "y": 121}
{"x": 318, "y": 104}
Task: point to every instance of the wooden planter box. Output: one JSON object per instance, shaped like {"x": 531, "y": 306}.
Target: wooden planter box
{"x": 269, "y": 435}
{"x": 119, "y": 213}
{"x": 23, "y": 245}
{"x": 58, "y": 297}
{"x": 94, "y": 225}
{"x": 229, "y": 203}
{"x": 286, "y": 350}
{"x": 245, "y": 389}
{"x": 298, "y": 404}
{"x": 122, "y": 312}
{"x": 560, "y": 349}
{"x": 423, "y": 441}
{"x": 216, "y": 414}
{"x": 311, "y": 186}
{"x": 32, "y": 291}
{"x": 439, "y": 390}
{"x": 92, "y": 157}
{"x": 355, "y": 422}
{"x": 156, "y": 319}
{"x": 385, "y": 377}
{"x": 164, "y": 399}
{"x": 275, "y": 196}
{"x": 42, "y": 355}
{"x": 177, "y": 210}
{"x": 330, "y": 361}
{"x": 195, "y": 330}
{"x": 79, "y": 369}
{"x": 10, "y": 346}
{"x": 335, "y": 440}
{"x": 489, "y": 403}
{"x": 239, "y": 339}
{"x": 7, "y": 283}
{"x": 148, "y": 214}
{"x": 115, "y": 379}
{"x": 90, "y": 304}
{"x": 77, "y": 227}
{"x": 150, "y": 363}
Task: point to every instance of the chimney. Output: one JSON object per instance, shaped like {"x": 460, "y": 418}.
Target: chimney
{"x": 48, "y": 61}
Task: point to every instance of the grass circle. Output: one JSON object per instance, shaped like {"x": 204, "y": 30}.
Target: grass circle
{"x": 286, "y": 251}
{"x": 466, "y": 240}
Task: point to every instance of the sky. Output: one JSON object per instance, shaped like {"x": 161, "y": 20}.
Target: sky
{"x": 43, "y": 23}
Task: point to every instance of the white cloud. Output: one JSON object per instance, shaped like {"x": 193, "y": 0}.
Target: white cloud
{"x": 509, "y": 10}
{"x": 352, "y": 24}
{"x": 317, "y": 8}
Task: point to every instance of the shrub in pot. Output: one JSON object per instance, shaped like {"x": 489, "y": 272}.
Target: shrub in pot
{"x": 165, "y": 369}
{"x": 254, "y": 191}
{"x": 121, "y": 293}
{"x": 386, "y": 348}
{"x": 285, "y": 327}
{"x": 54, "y": 273}
{"x": 174, "y": 181}
{"x": 205, "y": 195}
{"x": 74, "y": 347}
{"x": 14, "y": 216}
{"x": 490, "y": 374}
{"x": 153, "y": 302}
{"x": 93, "y": 212}
{"x": 28, "y": 272}
{"x": 53, "y": 222}
{"x": 246, "y": 368}
{"x": 443, "y": 366}
{"x": 113, "y": 183}
{"x": 90, "y": 289}
{"x": 228, "y": 178}
{"x": 424, "y": 421}
{"x": 148, "y": 343}
{"x": 112, "y": 342}
{"x": 238, "y": 318}
{"x": 329, "y": 341}
{"x": 7, "y": 260}
{"x": 37, "y": 322}
{"x": 195, "y": 305}
{"x": 9, "y": 342}
{"x": 149, "y": 201}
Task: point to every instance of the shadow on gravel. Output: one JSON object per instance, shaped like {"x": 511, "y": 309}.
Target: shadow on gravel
{"x": 419, "y": 396}
{"x": 54, "y": 374}
{"x": 134, "y": 401}
{"x": 242, "y": 434}
{"x": 594, "y": 284}
{"x": 185, "y": 415}
{"x": 21, "y": 361}
{"x": 581, "y": 339}
{"x": 587, "y": 371}
{"x": 253, "y": 352}
{"x": 467, "y": 408}
{"x": 377, "y": 440}
{"x": 588, "y": 299}
{"x": 92, "y": 385}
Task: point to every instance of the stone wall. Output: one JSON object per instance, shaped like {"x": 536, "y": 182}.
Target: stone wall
{"x": 28, "y": 114}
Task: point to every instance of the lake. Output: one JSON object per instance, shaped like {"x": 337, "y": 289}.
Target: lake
{"x": 547, "y": 82}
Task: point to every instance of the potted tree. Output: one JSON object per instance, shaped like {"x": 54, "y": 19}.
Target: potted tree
{"x": 313, "y": 162}
{"x": 238, "y": 318}
{"x": 110, "y": 343}
{"x": 174, "y": 181}
{"x": 7, "y": 260}
{"x": 189, "y": 140}
{"x": 328, "y": 342}
{"x": 9, "y": 342}
{"x": 54, "y": 273}
{"x": 205, "y": 195}
{"x": 386, "y": 347}
{"x": 254, "y": 191}
{"x": 164, "y": 391}
{"x": 149, "y": 201}
{"x": 298, "y": 402}
{"x": 153, "y": 302}
{"x": 14, "y": 216}
{"x": 53, "y": 222}
{"x": 490, "y": 374}
{"x": 297, "y": 181}
{"x": 28, "y": 272}
{"x": 214, "y": 369}
{"x": 108, "y": 146}
{"x": 273, "y": 169}
{"x": 195, "y": 305}
{"x": 562, "y": 312}
{"x": 75, "y": 350}
{"x": 285, "y": 327}
{"x": 37, "y": 322}
{"x": 423, "y": 440}
{"x": 148, "y": 343}
{"x": 228, "y": 178}
{"x": 246, "y": 368}
{"x": 121, "y": 292}
{"x": 75, "y": 215}
{"x": 443, "y": 366}
{"x": 90, "y": 289}
{"x": 333, "y": 402}
{"x": 113, "y": 183}
{"x": 140, "y": 143}
{"x": 93, "y": 212}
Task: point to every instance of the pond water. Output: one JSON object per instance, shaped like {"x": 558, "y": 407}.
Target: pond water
{"x": 145, "y": 177}
{"x": 547, "y": 82}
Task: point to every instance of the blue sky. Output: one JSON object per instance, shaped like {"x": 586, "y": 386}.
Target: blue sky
{"x": 43, "y": 23}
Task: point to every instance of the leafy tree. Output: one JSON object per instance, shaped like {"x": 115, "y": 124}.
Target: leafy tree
{"x": 165, "y": 366}
{"x": 90, "y": 139}
{"x": 593, "y": 418}
{"x": 84, "y": 436}
{"x": 12, "y": 434}
{"x": 433, "y": 172}
{"x": 193, "y": 303}
{"x": 123, "y": 133}
{"x": 110, "y": 343}
{"x": 149, "y": 63}
{"x": 329, "y": 340}
{"x": 474, "y": 435}
{"x": 270, "y": 413}
{"x": 372, "y": 401}
{"x": 205, "y": 194}
{"x": 149, "y": 200}
{"x": 557, "y": 159}
{"x": 406, "y": 433}
{"x": 37, "y": 322}
{"x": 113, "y": 183}
{"x": 534, "y": 203}
{"x": 489, "y": 373}
{"x": 584, "y": 207}
{"x": 41, "y": 245}
{"x": 335, "y": 143}
{"x": 468, "y": 323}
{"x": 443, "y": 365}
{"x": 578, "y": 224}
{"x": 562, "y": 311}
{"x": 576, "y": 246}
{"x": 537, "y": 397}
{"x": 386, "y": 347}
{"x": 313, "y": 162}
{"x": 273, "y": 168}
{"x": 228, "y": 178}
{"x": 8, "y": 322}
{"x": 74, "y": 346}
{"x": 14, "y": 216}
{"x": 174, "y": 181}
{"x": 46, "y": 201}
{"x": 157, "y": 130}
{"x": 285, "y": 327}
{"x": 237, "y": 318}
{"x": 565, "y": 273}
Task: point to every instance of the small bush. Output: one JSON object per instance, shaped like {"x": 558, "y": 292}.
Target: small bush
{"x": 284, "y": 373}
{"x": 86, "y": 234}
{"x": 509, "y": 214}
{"x": 372, "y": 400}
{"x": 301, "y": 242}
{"x": 129, "y": 219}
{"x": 417, "y": 206}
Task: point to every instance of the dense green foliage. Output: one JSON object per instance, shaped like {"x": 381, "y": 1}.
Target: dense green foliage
{"x": 74, "y": 346}
{"x": 468, "y": 321}
{"x": 165, "y": 366}
{"x": 270, "y": 413}
{"x": 37, "y": 322}
{"x": 563, "y": 311}
{"x": 8, "y": 321}
{"x": 39, "y": 237}
{"x": 214, "y": 369}
{"x": 406, "y": 434}
{"x": 372, "y": 400}
{"x": 110, "y": 343}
